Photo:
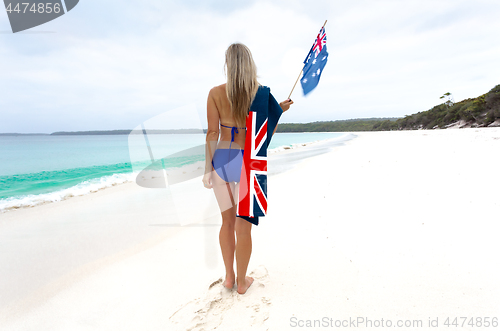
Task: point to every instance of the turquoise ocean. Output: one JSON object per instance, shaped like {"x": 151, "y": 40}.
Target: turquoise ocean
{"x": 47, "y": 168}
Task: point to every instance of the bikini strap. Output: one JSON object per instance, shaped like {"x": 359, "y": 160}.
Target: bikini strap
{"x": 233, "y": 131}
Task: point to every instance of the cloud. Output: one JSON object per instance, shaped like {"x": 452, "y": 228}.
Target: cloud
{"x": 114, "y": 64}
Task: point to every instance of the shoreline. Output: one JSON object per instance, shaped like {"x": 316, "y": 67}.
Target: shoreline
{"x": 151, "y": 216}
{"x": 388, "y": 225}
{"x": 12, "y": 204}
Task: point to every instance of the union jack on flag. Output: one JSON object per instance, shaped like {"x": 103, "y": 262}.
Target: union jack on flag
{"x": 255, "y": 170}
{"x": 318, "y": 45}
{"x": 262, "y": 118}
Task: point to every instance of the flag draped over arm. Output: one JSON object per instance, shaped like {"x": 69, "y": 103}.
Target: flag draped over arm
{"x": 262, "y": 119}
{"x": 314, "y": 63}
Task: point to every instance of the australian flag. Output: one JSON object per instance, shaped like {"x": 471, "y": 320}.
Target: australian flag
{"x": 262, "y": 119}
{"x": 314, "y": 63}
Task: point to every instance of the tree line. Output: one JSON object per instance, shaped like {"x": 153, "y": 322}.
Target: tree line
{"x": 476, "y": 112}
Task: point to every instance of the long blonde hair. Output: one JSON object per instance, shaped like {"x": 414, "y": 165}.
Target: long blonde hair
{"x": 242, "y": 84}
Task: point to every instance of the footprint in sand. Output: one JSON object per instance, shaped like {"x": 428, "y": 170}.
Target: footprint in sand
{"x": 222, "y": 308}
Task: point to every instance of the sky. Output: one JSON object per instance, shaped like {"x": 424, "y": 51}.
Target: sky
{"x": 115, "y": 64}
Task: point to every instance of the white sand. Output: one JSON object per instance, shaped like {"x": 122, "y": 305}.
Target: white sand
{"x": 392, "y": 226}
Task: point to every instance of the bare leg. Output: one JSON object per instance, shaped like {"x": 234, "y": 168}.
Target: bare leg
{"x": 227, "y": 245}
{"x": 223, "y": 192}
{"x": 243, "y": 251}
{"x": 242, "y": 246}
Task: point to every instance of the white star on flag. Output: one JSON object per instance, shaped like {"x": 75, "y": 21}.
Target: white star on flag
{"x": 314, "y": 63}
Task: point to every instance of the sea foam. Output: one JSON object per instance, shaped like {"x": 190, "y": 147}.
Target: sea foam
{"x": 83, "y": 188}
{"x": 96, "y": 184}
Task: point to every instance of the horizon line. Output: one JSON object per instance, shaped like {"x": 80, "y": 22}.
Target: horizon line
{"x": 152, "y": 130}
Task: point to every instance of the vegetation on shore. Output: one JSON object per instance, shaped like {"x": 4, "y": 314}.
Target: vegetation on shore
{"x": 368, "y": 124}
{"x": 477, "y": 112}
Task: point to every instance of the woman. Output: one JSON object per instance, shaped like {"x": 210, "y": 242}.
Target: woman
{"x": 228, "y": 105}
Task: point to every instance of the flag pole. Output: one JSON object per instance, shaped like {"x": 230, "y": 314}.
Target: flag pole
{"x": 293, "y": 88}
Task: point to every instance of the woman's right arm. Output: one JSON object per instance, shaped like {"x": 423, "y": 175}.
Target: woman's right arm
{"x": 285, "y": 105}
{"x": 212, "y": 137}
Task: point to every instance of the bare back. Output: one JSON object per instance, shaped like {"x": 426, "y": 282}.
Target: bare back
{"x": 219, "y": 100}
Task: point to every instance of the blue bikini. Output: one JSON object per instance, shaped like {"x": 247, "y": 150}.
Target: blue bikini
{"x": 227, "y": 162}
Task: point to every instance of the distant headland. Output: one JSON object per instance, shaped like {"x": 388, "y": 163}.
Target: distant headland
{"x": 483, "y": 111}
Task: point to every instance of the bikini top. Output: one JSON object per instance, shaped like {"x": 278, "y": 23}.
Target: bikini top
{"x": 234, "y": 130}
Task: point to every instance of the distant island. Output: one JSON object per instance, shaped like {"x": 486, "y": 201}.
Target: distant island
{"x": 24, "y": 134}
{"x": 113, "y": 132}
{"x": 107, "y": 132}
{"x": 483, "y": 111}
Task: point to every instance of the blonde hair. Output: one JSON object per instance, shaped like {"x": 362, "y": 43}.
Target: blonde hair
{"x": 242, "y": 84}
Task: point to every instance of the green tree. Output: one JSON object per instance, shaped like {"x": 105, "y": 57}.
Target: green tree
{"x": 449, "y": 99}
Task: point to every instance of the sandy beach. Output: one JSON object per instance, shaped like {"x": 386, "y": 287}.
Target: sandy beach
{"x": 389, "y": 227}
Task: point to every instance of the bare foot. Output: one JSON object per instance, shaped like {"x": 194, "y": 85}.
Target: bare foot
{"x": 243, "y": 286}
{"x": 229, "y": 282}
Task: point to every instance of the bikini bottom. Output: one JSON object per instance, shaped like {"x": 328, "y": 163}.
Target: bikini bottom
{"x": 227, "y": 163}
